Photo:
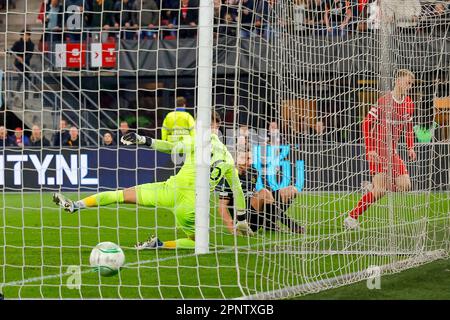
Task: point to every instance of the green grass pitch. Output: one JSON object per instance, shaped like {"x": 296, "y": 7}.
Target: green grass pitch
{"x": 39, "y": 242}
{"x": 428, "y": 282}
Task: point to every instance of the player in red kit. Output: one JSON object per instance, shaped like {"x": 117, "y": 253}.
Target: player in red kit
{"x": 383, "y": 127}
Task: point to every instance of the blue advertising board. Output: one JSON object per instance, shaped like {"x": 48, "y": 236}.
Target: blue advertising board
{"x": 81, "y": 169}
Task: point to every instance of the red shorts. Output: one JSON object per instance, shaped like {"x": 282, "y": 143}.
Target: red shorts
{"x": 396, "y": 165}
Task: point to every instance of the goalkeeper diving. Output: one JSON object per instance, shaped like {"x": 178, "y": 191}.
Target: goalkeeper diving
{"x": 177, "y": 193}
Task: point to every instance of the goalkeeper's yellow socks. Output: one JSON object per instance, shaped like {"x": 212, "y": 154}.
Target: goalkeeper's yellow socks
{"x": 184, "y": 243}
{"x": 100, "y": 199}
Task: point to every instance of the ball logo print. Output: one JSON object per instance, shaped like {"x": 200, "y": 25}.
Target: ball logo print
{"x": 107, "y": 258}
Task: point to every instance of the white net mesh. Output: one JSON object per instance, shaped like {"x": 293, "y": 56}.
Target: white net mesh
{"x": 294, "y": 83}
{"x": 311, "y": 72}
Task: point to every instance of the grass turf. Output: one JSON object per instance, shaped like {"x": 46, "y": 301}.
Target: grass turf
{"x": 427, "y": 282}
{"x": 38, "y": 243}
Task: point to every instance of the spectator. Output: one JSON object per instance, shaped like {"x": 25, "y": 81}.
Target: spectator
{"x": 36, "y": 139}
{"x": 217, "y": 10}
{"x": 7, "y": 4}
{"x": 438, "y": 22}
{"x": 108, "y": 140}
{"x": 247, "y": 18}
{"x": 273, "y": 138}
{"x": 18, "y": 139}
{"x": 374, "y": 15}
{"x": 229, "y": 27}
{"x": 297, "y": 17}
{"x": 23, "y": 52}
{"x": 360, "y": 8}
{"x": 337, "y": 17}
{"x": 231, "y": 7}
{"x": 4, "y": 140}
{"x": 102, "y": 17}
{"x": 124, "y": 128}
{"x": 315, "y": 16}
{"x": 406, "y": 13}
{"x": 54, "y": 14}
{"x": 187, "y": 19}
{"x": 60, "y": 138}
{"x": 243, "y": 137}
{"x": 274, "y": 134}
{"x": 263, "y": 21}
{"x": 169, "y": 15}
{"x": 149, "y": 18}
{"x": 127, "y": 17}
{"x": 168, "y": 9}
{"x": 41, "y": 16}
{"x": 40, "y": 20}
{"x": 74, "y": 138}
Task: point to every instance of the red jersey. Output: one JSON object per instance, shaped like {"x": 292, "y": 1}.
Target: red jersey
{"x": 376, "y": 125}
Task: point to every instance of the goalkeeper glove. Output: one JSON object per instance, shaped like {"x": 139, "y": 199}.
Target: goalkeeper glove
{"x": 133, "y": 138}
{"x": 244, "y": 229}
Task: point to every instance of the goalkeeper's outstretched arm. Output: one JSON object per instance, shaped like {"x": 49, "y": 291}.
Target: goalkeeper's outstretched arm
{"x": 132, "y": 138}
{"x": 225, "y": 214}
{"x": 232, "y": 177}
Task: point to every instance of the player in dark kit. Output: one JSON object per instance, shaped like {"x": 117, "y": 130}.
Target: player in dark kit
{"x": 264, "y": 207}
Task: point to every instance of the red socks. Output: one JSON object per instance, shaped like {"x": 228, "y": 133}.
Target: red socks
{"x": 363, "y": 204}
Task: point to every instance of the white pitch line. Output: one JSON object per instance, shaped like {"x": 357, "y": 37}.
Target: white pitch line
{"x": 277, "y": 242}
{"x": 54, "y": 276}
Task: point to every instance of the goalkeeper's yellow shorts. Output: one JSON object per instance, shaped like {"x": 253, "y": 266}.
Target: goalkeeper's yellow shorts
{"x": 180, "y": 202}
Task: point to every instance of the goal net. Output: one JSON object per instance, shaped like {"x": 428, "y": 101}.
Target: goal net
{"x": 294, "y": 83}
{"x": 309, "y": 75}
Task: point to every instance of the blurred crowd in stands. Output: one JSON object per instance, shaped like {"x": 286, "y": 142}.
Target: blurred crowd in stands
{"x": 67, "y": 136}
{"x": 64, "y": 20}
{"x": 77, "y": 20}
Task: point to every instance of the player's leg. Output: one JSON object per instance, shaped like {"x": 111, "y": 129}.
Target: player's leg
{"x": 99, "y": 199}
{"x": 149, "y": 194}
{"x": 262, "y": 202}
{"x": 403, "y": 183}
{"x": 254, "y": 219}
{"x": 184, "y": 209}
{"x": 185, "y": 220}
{"x": 154, "y": 243}
{"x": 276, "y": 210}
{"x": 284, "y": 197}
{"x": 379, "y": 182}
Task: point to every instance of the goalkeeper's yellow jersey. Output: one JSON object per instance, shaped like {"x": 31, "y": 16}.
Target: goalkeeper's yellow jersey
{"x": 177, "y": 125}
{"x": 221, "y": 166}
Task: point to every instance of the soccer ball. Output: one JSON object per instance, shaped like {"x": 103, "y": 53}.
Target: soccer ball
{"x": 107, "y": 258}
